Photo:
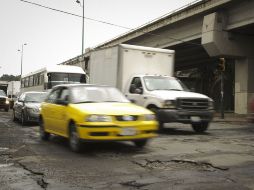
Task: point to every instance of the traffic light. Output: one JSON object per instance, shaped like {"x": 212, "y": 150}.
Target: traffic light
{"x": 221, "y": 65}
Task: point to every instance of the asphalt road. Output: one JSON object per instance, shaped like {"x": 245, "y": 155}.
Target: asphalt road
{"x": 222, "y": 158}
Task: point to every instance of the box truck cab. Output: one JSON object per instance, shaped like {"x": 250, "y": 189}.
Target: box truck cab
{"x": 145, "y": 76}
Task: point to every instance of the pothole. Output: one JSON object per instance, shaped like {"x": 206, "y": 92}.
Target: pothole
{"x": 178, "y": 165}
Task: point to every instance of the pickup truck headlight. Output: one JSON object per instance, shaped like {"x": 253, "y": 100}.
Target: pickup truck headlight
{"x": 7, "y": 102}
{"x": 169, "y": 104}
{"x": 99, "y": 118}
{"x": 210, "y": 105}
{"x": 149, "y": 117}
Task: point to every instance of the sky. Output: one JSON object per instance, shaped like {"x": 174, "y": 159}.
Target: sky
{"x": 53, "y": 37}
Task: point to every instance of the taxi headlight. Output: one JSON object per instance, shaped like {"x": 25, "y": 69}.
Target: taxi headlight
{"x": 149, "y": 117}
{"x": 7, "y": 102}
{"x": 99, "y": 118}
{"x": 169, "y": 104}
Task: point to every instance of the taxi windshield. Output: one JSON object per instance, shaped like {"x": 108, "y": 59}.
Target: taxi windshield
{"x": 95, "y": 94}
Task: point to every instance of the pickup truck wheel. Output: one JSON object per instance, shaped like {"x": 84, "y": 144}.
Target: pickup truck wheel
{"x": 140, "y": 143}
{"x": 74, "y": 141}
{"x": 200, "y": 127}
{"x": 155, "y": 110}
{"x": 43, "y": 134}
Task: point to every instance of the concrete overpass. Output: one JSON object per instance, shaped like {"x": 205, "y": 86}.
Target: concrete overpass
{"x": 201, "y": 33}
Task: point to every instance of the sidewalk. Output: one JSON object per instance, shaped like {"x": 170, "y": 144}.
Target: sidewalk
{"x": 231, "y": 117}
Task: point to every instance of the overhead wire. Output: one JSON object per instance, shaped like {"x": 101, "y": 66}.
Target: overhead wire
{"x": 104, "y": 22}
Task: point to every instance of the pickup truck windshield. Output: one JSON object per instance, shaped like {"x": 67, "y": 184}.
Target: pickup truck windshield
{"x": 2, "y": 93}
{"x": 164, "y": 83}
{"x": 91, "y": 94}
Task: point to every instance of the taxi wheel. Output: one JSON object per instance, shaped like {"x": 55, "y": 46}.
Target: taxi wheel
{"x": 140, "y": 143}
{"x": 74, "y": 141}
{"x": 43, "y": 134}
{"x": 200, "y": 127}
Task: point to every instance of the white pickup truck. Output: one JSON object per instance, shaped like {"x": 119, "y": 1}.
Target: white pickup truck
{"x": 144, "y": 75}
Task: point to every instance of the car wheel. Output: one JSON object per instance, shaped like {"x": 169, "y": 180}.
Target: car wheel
{"x": 43, "y": 134}
{"x": 141, "y": 143}
{"x": 14, "y": 116}
{"x": 200, "y": 127}
{"x": 74, "y": 141}
{"x": 23, "y": 119}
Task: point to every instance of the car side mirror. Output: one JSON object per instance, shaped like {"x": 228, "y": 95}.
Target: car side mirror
{"x": 19, "y": 100}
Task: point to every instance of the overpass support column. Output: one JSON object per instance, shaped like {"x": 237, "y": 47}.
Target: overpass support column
{"x": 244, "y": 87}
{"x": 218, "y": 42}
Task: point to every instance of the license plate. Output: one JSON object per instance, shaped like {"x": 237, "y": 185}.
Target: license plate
{"x": 195, "y": 119}
{"x": 128, "y": 132}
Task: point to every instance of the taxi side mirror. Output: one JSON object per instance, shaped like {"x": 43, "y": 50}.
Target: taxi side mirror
{"x": 62, "y": 102}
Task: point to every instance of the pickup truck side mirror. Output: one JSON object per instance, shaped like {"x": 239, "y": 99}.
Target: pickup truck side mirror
{"x": 138, "y": 91}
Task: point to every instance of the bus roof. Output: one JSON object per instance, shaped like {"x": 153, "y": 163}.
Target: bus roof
{"x": 58, "y": 69}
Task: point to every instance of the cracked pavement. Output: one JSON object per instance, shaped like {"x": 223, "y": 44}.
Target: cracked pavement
{"x": 222, "y": 158}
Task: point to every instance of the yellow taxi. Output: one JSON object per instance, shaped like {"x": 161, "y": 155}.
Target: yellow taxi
{"x": 83, "y": 112}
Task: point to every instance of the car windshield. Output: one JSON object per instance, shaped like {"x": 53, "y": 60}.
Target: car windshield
{"x": 2, "y": 93}
{"x": 164, "y": 83}
{"x": 90, "y": 94}
{"x": 35, "y": 97}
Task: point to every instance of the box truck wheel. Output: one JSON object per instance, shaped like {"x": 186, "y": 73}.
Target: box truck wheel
{"x": 200, "y": 127}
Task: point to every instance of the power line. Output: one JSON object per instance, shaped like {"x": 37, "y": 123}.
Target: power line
{"x": 104, "y": 22}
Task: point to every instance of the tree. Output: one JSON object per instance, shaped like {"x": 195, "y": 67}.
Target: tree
{"x": 6, "y": 77}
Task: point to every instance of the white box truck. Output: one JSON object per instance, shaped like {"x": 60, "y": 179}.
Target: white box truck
{"x": 145, "y": 76}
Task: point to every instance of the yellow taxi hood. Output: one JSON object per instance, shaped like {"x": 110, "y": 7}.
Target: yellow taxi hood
{"x": 111, "y": 108}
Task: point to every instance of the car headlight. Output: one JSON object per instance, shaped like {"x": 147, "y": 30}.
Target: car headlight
{"x": 7, "y": 102}
{"x": 210, "y": 105}
{"x": 169, "y": 104}
{"x": 99, "y": 118}
{"x": 33, "y": 110}
{"x": 149, "y": 117}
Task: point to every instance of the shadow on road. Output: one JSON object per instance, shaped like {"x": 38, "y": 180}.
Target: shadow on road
{"x": 92, "y": 148}
{"x": 174, "y": 131}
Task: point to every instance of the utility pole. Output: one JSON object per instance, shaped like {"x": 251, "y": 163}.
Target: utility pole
{"x": 21, "y": 61}
{"x": 83, "y": 20}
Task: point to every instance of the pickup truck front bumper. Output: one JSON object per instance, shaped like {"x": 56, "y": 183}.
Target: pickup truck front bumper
{"x": 184, "y": 116}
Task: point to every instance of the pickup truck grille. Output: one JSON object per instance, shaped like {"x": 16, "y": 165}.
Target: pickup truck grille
{"x": 2, "y": 100}
{"x": 192, "y": 104}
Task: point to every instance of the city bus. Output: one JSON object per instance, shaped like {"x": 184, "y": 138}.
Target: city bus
{"x": 47, "y": 77}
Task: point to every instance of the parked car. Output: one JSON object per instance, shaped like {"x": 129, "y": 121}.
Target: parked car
{"x": 4, "y": 102}
{"x": 251, "y": 110}
{"x": 82, "y": 112}
{"x": 27, "y": 107}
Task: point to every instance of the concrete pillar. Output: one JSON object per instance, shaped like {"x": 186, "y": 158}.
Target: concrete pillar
{"x": 244, "y": 84}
